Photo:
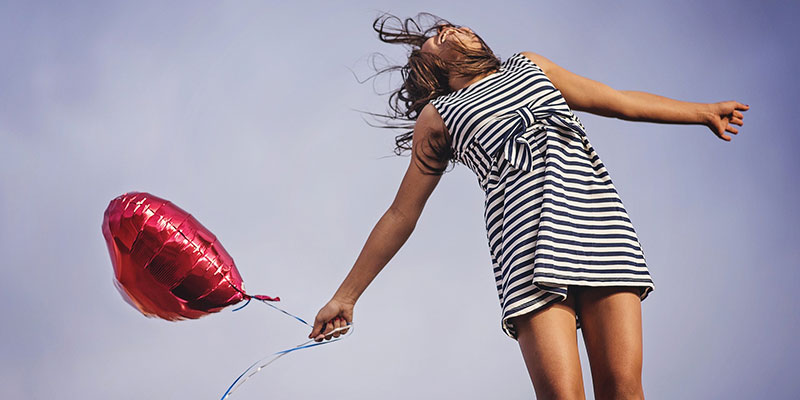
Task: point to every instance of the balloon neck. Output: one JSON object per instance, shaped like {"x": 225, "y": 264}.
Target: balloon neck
{"x": 264, "y": 298}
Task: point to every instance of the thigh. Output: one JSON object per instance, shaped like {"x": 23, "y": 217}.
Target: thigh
{"x": 611, "y": 321}
{"x": 549, "y": 345}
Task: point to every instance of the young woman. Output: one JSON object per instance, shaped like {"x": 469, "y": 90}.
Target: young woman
{"x": 564, "y": 252}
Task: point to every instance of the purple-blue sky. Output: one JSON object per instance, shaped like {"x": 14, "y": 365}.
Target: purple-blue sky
{"x": 242, "y": 113}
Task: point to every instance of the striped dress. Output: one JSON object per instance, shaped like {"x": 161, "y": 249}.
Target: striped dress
{"x": 553, "y": 216}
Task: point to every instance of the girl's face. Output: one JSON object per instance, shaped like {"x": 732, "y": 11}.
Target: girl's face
{"x": 446, "y": 36}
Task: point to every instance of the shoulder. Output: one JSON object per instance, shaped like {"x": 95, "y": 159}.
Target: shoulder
{"x": 430, "y": 143}
{"x": 541, "y": 61}
{"x": 429, "y": 122}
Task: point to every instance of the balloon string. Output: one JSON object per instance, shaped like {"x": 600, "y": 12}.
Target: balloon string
{"x": 261, "y": 364}
{"x": 267, "y": 302}
{"x": 243, "y": 305}
{"x": 283, "y": 311}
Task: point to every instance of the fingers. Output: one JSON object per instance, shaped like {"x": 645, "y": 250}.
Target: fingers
{"x": 319, "y": 326}
{"x": 339, "y": 328}
{"x": 720, "y": 131}
{"x": 727, "y": 119}
{"x": 326, "y": 334}
{"x": 328, "y": 330}
{"x": 331, "y": 321}
{"x": 337, "y": 323}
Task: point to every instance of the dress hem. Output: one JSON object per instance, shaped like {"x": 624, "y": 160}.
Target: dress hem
{"x": 542, "y": 302}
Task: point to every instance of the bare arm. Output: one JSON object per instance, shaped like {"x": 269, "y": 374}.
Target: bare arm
{"x": 391, "y": 231}
{"x": 583, "y": 94}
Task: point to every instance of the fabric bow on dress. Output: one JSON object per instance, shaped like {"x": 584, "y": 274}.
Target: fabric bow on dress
{"x": 522, "y": 141}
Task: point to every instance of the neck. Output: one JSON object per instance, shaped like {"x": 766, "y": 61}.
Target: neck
{"x": 460, "y": 82}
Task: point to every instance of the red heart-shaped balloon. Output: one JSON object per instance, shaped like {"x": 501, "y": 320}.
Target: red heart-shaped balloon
{"x": 166, "y": 263}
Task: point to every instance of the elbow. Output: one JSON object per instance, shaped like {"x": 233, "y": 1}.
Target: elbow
{"x": 609, "y": 106}
{"x": 601, "y": 109}
{"x": 625, "y": 107}
{"x": 405, "y": 218}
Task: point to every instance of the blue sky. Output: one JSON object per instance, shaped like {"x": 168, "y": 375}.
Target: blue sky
{"x": 243, "y": 114}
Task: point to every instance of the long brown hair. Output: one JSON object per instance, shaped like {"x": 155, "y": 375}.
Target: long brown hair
{"x": 425, "y": 77}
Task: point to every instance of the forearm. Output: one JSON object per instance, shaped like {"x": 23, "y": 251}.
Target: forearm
{"x": 386, "y": 238}
{"x": 648, "y": 107}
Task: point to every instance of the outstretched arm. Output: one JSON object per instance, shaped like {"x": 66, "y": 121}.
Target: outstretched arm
{"x": 583, "y": 94}
{"x": 391, "y": 231}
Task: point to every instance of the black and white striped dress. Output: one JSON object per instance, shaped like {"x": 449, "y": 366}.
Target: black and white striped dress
{"x": 553, "y": 216}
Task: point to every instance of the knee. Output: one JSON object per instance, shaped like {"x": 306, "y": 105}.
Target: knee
{"x": 564, "y": 392}
{"x": 619, "y": 387}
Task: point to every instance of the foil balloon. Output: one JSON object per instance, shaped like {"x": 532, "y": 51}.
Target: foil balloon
{"x": 167, "y": 264}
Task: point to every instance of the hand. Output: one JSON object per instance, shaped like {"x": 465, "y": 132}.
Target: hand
{"x": 724, "y": 114}
{"x": 336, "y": 314}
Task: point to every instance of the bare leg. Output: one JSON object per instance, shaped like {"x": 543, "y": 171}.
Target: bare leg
{"x": 549, "y": 344}
{"x": 611, "y": 321}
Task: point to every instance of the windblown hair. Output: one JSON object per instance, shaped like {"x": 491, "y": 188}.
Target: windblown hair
{"x": 425, "y": 77}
